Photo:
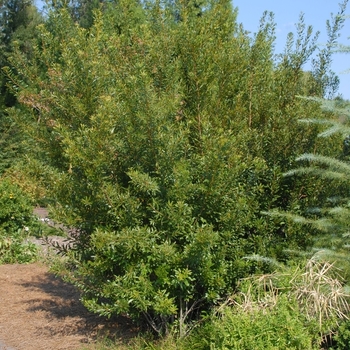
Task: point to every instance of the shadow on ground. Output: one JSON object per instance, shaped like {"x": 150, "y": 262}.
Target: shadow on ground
{"x": 60, "y": 301}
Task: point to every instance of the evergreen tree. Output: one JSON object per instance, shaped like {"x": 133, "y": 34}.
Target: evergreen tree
{"x": 18, "y": 20}
{"x": 330, "y": 215}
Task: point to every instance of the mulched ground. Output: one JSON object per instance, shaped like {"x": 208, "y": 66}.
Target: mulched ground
{"x": 38, "y": 311}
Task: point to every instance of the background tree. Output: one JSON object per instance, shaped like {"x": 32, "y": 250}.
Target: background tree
{"x": 18, "y": 20}
{"x": 82, "y": 11}
{"x": 330, "y": 212}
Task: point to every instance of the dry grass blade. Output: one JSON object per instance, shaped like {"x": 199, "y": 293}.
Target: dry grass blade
{"x": 318, "y": 289}
{"x": 262, "y": 293}
{"x": 320, "y": 293}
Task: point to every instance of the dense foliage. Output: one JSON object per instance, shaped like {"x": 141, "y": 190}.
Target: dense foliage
{"x": 281, "y": 327}
{"x": 16, "y": 221}
{"x": 331, "y": 212}
{"x": 163, "y": 132}
{"x": 18, "y": 20}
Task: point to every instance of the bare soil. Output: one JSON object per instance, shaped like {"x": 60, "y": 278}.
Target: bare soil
{"x": 38, "y": 311}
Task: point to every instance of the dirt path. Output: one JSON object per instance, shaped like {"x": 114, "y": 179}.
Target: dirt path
{"x": 40, "y": 312}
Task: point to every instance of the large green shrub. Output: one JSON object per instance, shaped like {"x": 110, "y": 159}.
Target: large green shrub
{"x": 165, "y": 129}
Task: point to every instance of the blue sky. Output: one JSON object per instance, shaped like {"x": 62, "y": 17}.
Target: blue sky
{"x": 286, "y": 15}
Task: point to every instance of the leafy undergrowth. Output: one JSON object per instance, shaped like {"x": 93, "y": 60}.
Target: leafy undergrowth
{"x": 16, "y": 221}
{"x": 18, "y": 225}
{"x": 300, "y": 307}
